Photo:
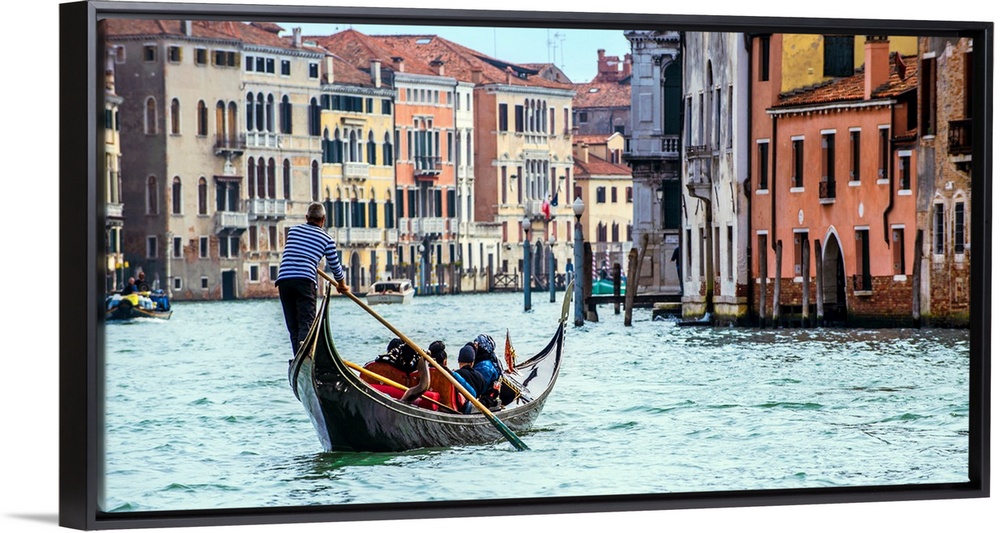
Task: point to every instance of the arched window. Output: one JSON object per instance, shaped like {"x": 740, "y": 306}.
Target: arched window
{"x": 261, "y": 179}
{"x": 202, "y": 118}
{"x": 175, "y": 196}
{"x": 231, "y": 123}
{"x": 286, "y": 178}
{"x": 175, "y": 117}
{"x": 387, "y": 154}
{"x": 315, "y": 181}
{"x": 260, "y": 111}
{"x": 150, "y": 125}
{"x": 220, "y": 119}
{"x": 152, "y": 202}
{"x": 314, "y": 116}
{"x": 202, "y": 196}
{"x": 251, "y": 177}
{"x": 353, "y": 147}
{"x": 372, "y": 148}
{"x": 286, "y": 115}
{"x": 271, "y": 178}
{"x": 269, "y": 113}
{"x": 249, "y": 111}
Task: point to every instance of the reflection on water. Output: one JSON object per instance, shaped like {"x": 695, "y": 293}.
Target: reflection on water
{"x": 200, "y": 414}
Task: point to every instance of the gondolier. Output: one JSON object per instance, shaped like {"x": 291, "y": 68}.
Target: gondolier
{"x": 305, "y": 246}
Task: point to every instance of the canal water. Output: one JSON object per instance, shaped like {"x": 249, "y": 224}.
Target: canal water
{"x": 199, "y": 413}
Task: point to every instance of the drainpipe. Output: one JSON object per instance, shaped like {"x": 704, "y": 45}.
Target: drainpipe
{"x": 891, "y": 172}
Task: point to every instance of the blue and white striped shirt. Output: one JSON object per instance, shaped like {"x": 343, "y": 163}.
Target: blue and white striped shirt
{"x": 305, "y": 246}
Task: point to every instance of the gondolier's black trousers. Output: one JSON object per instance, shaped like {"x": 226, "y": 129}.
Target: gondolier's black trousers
{"x": 298, "y": 302}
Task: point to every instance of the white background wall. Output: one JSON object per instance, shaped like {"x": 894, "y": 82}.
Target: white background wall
{"x": 29, "y": 445}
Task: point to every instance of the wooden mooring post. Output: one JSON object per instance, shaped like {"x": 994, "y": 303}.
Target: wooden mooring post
{"x": 616, "y": 273}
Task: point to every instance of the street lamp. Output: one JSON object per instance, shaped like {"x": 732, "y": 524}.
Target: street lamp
{"x": 552, "y": 268}
{"x": 526, "y": 226}
{"x": 423, "y": 267}
{"x": 578, "y": 259}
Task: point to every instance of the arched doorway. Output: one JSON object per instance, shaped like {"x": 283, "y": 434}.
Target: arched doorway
{"x": 834, "y": 282}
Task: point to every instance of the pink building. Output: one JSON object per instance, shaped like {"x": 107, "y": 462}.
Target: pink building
{"x": 834, "y": 188}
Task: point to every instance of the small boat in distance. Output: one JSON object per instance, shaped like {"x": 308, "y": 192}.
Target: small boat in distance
{"x": 149, "y": 304}
{"x": 393, "y": 291}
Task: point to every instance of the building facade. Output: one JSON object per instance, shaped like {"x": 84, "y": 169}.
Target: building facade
{"x": 606, "y": 190}
{"x": 653, "y": 153}
{"x": 117, "y": 269}
{"x": 944, "y": 191}
{"x": 715, "y": 207}
{"x": 833, "y": 173}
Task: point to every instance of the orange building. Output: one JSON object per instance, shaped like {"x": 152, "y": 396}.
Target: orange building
{"x": 833, "y": 172}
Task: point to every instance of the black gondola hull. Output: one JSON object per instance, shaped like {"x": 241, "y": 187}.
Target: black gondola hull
{"x": 349, "y": 414}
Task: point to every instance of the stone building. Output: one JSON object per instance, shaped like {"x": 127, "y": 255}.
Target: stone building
{"x": 944, "y": 185}
{"x": 653, "y": 153}
{"x": 116, "y": 270}
{"x": 171, "y": 73}
{"x": 715, "y": 204}
{"x": 603, "y": 105}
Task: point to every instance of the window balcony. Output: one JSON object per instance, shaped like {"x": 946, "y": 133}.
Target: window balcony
{"x": 960, "y": 137}
{"x": 262, "y": 139}
{"x": 267, "y": 208}
{"x": 827, "y": 192}
{"x": 226, "y": 145}
{"x": 231, "y": 222}
{"x": 356, "y": 171}
{"x": 114, "y": 211}
{"x": 403, "y": 225}
{"x": 428, "y": 225}
{"x": 427, "y": 165}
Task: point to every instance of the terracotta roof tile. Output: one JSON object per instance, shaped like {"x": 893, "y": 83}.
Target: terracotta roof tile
{"x": 603, "y": 94}
{"x": 852, "y": 88}
{"x": 595, "y": 166}
{"x": 591, "y": 139}
{"x": 460, "y": 62}
{"x": 261, "y": 34}
{"x": 359, "y": 50}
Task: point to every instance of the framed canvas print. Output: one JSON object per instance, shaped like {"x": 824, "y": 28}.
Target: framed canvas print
{"x": 355, "y": 263}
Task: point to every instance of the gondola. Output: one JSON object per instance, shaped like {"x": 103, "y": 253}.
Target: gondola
{"x": 352, "y": 414}
{"x": 147, "y": 304}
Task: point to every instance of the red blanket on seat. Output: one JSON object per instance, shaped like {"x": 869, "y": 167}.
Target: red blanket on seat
{"x": 397, "y": 394}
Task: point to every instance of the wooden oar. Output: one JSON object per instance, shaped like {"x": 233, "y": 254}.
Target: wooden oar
{"x": 392, "y": 383}
{"x": 497, "y": 423}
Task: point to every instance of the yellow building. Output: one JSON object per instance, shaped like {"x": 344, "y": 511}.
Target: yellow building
{"x": 605, "y": 186}
{"x": 358, "y": 178}
{"x": 807, "y": 60}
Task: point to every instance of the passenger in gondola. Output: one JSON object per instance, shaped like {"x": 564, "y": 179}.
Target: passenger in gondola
{"x": 141, "y": 283}
{"x": 130, "y": 287}
{"x": 467, "y": 376}
{"x": 488, "y": 365}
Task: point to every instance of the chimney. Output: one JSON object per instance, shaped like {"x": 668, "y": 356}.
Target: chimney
{"x": 510, "y": 71}
{"x": 328, "y": 69}
{"x": 186, "y": 27}
{"x": 439, "y": 66}
{"x": 876, "y": 63}
{"x": 297, "y": 37}
{"x": 477, "y": 76}
{"x": 627, "y": 67}
{"x": 377, "y": 72}
{"x": 399, "y": 64}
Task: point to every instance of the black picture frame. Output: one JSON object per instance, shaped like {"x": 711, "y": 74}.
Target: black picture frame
{"x": 81, "y": 220}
